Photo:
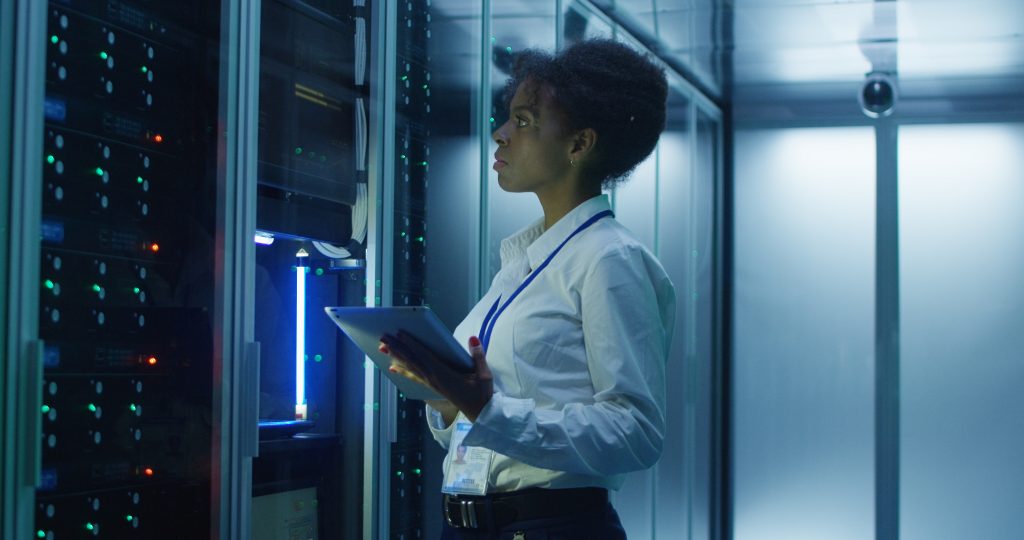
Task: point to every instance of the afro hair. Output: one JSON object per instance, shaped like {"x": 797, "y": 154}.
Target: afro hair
{"x": 606, "y": 86}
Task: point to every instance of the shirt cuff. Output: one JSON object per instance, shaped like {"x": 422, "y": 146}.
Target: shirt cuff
{"x": 441, "y": 432}
{"x": 503, "y": 422}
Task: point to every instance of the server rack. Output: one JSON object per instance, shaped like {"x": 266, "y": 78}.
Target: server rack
{"x": 136, "y": 137}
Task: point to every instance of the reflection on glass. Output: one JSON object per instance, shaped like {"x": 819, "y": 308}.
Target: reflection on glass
{"x": 514, "y": 26}
{"x": 452, "y": 278}
{"x": 803, "y": 372}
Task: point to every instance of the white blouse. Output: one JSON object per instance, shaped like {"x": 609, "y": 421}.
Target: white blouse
{"x": 578, "y": 357}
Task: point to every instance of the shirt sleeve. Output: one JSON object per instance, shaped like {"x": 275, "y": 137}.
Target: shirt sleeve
{"x": 627, "y": 318}
{"x": 442, "y": 433}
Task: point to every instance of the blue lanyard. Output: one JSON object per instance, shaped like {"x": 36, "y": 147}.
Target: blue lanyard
{"x": 492, "y": 315}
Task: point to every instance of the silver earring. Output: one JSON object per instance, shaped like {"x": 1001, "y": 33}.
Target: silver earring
{"x": 572, "y": 163}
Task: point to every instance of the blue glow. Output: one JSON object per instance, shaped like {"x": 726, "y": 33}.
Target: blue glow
{"x": 300, "y": 335}
{"x": 54, "y": 109}
{"x": 263, "y": 239}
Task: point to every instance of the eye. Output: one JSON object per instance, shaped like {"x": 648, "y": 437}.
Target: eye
{"x": 521, "y": 122}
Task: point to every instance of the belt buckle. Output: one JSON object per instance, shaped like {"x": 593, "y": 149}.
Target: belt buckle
{"x": 466, "y": 516}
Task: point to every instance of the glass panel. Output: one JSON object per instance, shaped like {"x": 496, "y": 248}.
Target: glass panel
{"x": 803, "y": 347}
{"x": 698, "y": 300}
{"x": 961, "y": 213}
{"x": 455, "y": 146}
{"x": 637, "y": 207}
{"x": 452, "y": 208}
{"x": 311, "y": 229}
{"x": 515, "y": 25}
{"x": 126, "y": 299}
{"x": 580, "y": 23}
{"x": 676, "y": 220}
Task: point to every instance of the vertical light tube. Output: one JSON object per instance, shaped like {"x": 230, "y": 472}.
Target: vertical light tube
{"x": 300, "y": 334}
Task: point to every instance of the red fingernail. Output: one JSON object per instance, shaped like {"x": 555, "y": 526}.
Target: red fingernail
{"x": 473, "y": 341}
{"x": 383, "y": 349}
{"x": 392, "y": 370}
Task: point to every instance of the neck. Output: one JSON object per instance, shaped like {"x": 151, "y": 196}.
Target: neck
{"x": 557, "y": 205}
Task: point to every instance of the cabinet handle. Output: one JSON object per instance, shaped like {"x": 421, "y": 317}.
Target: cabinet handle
{"x": 250, "y": 401}
{"x": 32, "y": 421}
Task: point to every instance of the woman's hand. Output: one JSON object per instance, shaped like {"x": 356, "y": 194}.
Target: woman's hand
{"x": 468, "y": 393}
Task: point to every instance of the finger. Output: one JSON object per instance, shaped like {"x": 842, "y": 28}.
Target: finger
{"x": 476, "y": 350}
{"x": 396, "y": 348}
{"x": 419, "y": 354}
{"x": 407, "y": 373}
{"x": 414, "y": 345}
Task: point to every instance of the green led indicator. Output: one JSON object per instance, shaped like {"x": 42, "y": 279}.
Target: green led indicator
{"x": 136, "y": 290}
{"x": 493, "y": 39}
{"x": 139, "y": 179}
{"x": 89, "y": 526}
{"x": 54, "y": 39}
{"x": 99, "y": 171}
{"x": 144, "y": 69}
{"x": 508, "y": 49}
{"x": 50, "y": 159}
{"x": 129, "y": 517}
{"x": 424, "y": 163}
{"x": 418, "y": 471}
{"x": 424, "y": 87}
{"x": 48, "y": 284}
{"x": 405, "y": 77}
{"x": 46, "y": 409}
{"x": 403, "y": 234}
{"x": 419, "y": 238}
{"x": 399, "y": 474}
{"x": 96, "y": 287}
{"x": 92, "y": 408}
{"x": 41, "y": 534}
{"x": 133, "y": 407}
{"x": 492, "y": 119}
{"x": 318, "y": 358}
{"x": 298, "y": 150}
{"x": 402, "y": 156}
{"x": 104, "y": 55}
{"x": 319, "y": 271}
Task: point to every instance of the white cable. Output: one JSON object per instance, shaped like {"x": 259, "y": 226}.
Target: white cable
{"x": 362, "y": 134}
{"x": 333, "y": 252}
{"x": 360, "y": 66}
{"x": 360, "y": 213}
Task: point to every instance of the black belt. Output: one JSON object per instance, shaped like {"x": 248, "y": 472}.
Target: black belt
{"x": 496, "y": 511}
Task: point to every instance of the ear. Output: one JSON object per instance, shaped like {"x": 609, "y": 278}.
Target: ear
{"x": 582, "y": 144}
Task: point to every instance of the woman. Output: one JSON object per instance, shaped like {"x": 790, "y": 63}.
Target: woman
{"x": 571, "y": 339}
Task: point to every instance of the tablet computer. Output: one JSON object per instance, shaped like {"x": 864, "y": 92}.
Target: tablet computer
{"x": 365, "y": 325}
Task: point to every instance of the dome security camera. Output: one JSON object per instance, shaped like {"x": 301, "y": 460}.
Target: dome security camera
{"x": 878, "y": 95}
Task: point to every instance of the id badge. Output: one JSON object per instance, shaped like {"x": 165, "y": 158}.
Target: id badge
{"x": 468, "y": 466}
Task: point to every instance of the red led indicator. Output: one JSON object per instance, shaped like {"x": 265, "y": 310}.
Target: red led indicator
{"x": 147, "y": 471}
{"x": 154, "y": 247}
{"x": 158, "y": 138}
{"x": 152, "y": 360}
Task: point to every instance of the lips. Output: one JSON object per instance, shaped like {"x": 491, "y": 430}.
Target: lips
{"x": 498, "y": 163}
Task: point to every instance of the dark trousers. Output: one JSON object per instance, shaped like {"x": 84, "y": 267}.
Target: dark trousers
{"x": 600, "y": 524}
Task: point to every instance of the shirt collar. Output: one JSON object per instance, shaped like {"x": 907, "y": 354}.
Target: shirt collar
{"x": 548, "y": 240}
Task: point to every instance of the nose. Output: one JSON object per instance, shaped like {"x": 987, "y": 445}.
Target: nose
{"x": 499, "y": 136}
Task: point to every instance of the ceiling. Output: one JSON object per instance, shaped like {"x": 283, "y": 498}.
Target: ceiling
{"x": 768, "y": 49}
{"x": 772, "y": 51}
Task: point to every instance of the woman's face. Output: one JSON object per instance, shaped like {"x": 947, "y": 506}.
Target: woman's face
{"x": 534, "y": 143}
